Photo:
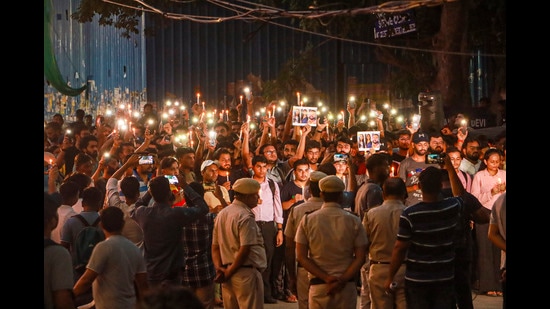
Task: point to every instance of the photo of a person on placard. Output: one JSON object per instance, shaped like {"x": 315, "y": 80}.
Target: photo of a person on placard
{"x": 376, "y": 141}
{"x": 368, "y": 141}
{"x": 304, "y": 115}
{"x": 296, "y": 117}
{"x": 312, "y": 117}
{"x": 361, "y": 144}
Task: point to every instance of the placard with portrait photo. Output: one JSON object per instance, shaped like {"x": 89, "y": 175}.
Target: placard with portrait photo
{"x": 302, "y": 115}
{"x": 367, "y": 140}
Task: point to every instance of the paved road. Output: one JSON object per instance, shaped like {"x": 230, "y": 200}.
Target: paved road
{"x": 480, "y": 302}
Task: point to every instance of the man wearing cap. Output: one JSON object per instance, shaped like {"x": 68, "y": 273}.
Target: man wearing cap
{"x": 368, "y": 196}
{"x": 297, "y": 275}
{"x": 331, "y": 244}
{"x": 381, "y": 224}
{"x": 238, "y": 249}
{"x": 412, "y": 166}
{"x": 215, "y": 196}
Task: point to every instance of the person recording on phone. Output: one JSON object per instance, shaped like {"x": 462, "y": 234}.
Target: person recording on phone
{"x": 162, "y": 227}
{"x": 169, "y": 168}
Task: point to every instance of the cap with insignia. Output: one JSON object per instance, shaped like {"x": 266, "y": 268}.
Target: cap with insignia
{"x": 246, "y": 186}
{"x": 331, "y": 183}
{"x": 315, "y": 176}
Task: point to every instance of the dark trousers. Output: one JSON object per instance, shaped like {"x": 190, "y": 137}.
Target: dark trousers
{"x": 269, "y": 232}
{"x": 433, "y": 296}
{"x": 463, "y": 287}
{"x": 279, "y": 278}
{"x": 503, "y": 284}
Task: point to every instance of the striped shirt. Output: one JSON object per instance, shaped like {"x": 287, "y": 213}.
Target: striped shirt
{"x": 432, "y": 231}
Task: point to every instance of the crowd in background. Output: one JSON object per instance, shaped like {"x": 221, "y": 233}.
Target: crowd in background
{"x": 206, "y": 151}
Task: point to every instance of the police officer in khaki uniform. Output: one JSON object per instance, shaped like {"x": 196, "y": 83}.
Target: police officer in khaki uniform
{"x": 297, "y": 275}
{"x": 331, "y": 244}
{"x": 238, "y": 249}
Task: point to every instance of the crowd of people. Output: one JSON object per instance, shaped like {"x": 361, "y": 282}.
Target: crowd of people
{"x": 244, "y": 207}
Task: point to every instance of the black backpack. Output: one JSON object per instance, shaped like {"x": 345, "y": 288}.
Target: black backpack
{"x": 85, "y": 243}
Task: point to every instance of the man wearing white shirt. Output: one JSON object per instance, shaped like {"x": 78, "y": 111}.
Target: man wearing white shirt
{"x": 70, "y": 193}
{"x": 470, "y": 151}
{"x": 269, "y": 217}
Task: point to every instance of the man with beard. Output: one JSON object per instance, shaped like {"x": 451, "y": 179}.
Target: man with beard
{"x": 274, "y": 170}
{"x": 437, "y": 144}
{"x": 312, "y": 153}
{"x": 186, "y": 160}
{"x": 343, "y": 146}
{"x": 110, "y": 165}
{"x": 292, "y": 193}
{"x": 411, "y": 167}
{"x": 226, "y": 174}
{"x": 289, "y": 149}
{"x": 470, "y": 151}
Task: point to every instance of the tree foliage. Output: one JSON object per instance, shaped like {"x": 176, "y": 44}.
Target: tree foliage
{"x": 418, "y": 61}
{"x": 124, "y": 17}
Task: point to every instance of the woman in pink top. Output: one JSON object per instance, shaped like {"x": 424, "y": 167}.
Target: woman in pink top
{"x": 488, "y": 184}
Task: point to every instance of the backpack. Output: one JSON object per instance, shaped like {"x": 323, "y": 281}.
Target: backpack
{"x": 85, "y": 242}
{"x": 271, "y": 183}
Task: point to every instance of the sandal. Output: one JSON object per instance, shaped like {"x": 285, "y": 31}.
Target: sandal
{"x": 291, "y": 299}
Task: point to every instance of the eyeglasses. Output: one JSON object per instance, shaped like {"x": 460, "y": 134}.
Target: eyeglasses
{"x": 270, "y": 152}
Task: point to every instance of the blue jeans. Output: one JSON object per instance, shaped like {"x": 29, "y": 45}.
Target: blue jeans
{"x": 430, "y": 296}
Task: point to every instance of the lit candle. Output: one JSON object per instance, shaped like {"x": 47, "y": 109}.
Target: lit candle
{"x": 227, "y": 175}
{"x": 198, "y": 98}
{"x": 298, "y": 95}
{"x": 50, "y": 161}
{"x": 343, "y": 117}
{"x": 499, "y": 181}
{"x": 303, "y": 193}
{"x": 241, "y": 97}
{"x": 392, "y": 171}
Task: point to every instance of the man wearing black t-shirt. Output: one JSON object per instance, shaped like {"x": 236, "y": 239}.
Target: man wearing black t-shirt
{"x": 292, "y": 194}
